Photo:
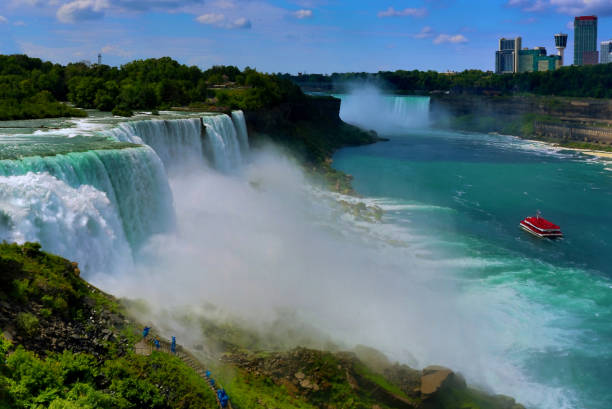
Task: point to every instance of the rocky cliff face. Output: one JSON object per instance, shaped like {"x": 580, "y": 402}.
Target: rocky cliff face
{"x": 311, "y": 128}
{"x": 570, "y": 109}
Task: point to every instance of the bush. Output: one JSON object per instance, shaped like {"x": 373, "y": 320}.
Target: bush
{"x": 27, "y": 323}
{"x": 122, "y": 110}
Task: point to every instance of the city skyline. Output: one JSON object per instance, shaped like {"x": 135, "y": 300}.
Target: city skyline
{"x": 293, "y": 36}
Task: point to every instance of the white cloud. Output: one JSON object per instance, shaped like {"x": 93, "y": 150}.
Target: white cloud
{"x": 3, "y": 20}
{"x": 144, "y": 5}
{"x": 570, "y": 7}
{"x": 114, "y": 50}
{"x": 224, "y": 4}
{"x": 210, "y": 18}
{"x": 426, "y": 32}
{"x": 19, "y": 23}
{"x": 79, "y": 10}
{"x": 449, "y": 38}
{"x": 303, "y": 13}
{"x": 241, "y": 22}
{"x": 219, "y": 20}
{"x": 412, "y": 12}
{"x": 26, "y": 2}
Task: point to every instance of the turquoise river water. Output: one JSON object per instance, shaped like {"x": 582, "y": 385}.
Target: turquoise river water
{"x": 544, "y": 306}
{"x": 178, "y": 209}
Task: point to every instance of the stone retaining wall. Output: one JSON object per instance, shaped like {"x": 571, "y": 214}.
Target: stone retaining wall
{"x": 574, "y": 132}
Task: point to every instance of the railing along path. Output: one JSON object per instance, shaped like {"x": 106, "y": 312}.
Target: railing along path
{"x": 147, "y": 345}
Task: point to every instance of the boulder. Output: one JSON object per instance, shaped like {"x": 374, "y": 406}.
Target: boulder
{"x": 435, "y": 378}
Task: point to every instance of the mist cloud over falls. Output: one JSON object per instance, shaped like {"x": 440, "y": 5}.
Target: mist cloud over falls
{"x": 262, "y": 243}
{"x": 366, "y": 106}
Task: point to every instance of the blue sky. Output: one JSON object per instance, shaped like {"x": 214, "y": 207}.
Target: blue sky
{"x": 321, "y": 36}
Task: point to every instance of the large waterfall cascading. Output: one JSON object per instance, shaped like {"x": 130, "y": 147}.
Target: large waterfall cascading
{"x": 79, "y": 223}
{"x": 99, "y": 207}
{"x": 176, "y": 142}
{"x": 71, "y": 189}
{"x": 183, "y": 142}
{"x": 241, "y": 129}
{"x": 370, "y": 109}
{"x": 222, "y": 140}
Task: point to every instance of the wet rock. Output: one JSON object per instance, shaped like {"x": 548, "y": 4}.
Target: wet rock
{"x": 435, "y": 378}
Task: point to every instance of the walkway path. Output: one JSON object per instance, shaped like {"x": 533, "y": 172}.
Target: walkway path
{"x": 146, "y": 347}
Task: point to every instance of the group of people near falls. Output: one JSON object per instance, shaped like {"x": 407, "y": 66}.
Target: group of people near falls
{"x": 221, "y": 394}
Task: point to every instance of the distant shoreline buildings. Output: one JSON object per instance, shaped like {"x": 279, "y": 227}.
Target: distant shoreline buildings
{"x": 512, "y": 58}
{"x": 585, "y": 40}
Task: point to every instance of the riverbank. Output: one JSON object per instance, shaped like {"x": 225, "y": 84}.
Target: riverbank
{"x": 575, "y": 123}
{"x": 58, "y": 327}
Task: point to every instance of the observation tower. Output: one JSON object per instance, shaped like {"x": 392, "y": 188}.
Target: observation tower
{"x": 561, "y": 44}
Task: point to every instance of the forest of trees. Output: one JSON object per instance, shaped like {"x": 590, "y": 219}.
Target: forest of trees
{"x": 587, "y": 81}
{"x": 31, "y": 88}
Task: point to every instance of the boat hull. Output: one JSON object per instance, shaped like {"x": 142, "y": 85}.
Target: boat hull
{"x": 541, "y": 234}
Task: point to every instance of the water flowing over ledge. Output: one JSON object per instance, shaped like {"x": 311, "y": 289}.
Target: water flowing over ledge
{"x": 219, "y": 140}
{"x": 99, "y": 207}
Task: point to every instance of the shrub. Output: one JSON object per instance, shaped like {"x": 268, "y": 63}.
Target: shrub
{"x": 27, "y": 323}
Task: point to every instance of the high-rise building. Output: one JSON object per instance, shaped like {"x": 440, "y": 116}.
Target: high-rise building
{"x": 536, "y": 60}
{"x": 585, "y": 40}
{"x": 507, "y": 57}
{"x": 561, "y": 44}
{"x": 606, "y": 52}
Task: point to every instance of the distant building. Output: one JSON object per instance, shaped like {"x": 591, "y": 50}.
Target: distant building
{"x": 561, "y": 45}
{"x": 507, "y": 57}
{"x": 585, "y": 40}
{"x": 606, "y": 52}
{"x": 536, "y": 60}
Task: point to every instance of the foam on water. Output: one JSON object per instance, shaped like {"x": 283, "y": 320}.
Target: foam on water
{"x": 80, "y": 223}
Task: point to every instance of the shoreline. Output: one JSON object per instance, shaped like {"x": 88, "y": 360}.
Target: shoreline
{"x": 590, "y": 152}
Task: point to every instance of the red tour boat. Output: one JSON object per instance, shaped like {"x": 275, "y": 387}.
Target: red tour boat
{"x": 540, "y": 227}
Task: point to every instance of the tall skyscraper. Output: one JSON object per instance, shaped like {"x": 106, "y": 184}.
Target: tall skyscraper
{"x": 606, "y": 52}
{"x": 561, "y": 44}
{"x": 507, "y": 57}
{"x": 585, "y": 40}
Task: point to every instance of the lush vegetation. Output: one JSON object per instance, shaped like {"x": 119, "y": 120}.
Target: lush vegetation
{"x": 68, "y": 380}
{"x": 587, "y": 81}
{"x": 42, "y": 296}
{"x": 30, "y": 88}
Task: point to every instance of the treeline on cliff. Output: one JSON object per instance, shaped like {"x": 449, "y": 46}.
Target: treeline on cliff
{"x": 587, "y": 81}
{"x": 31, "y": 88}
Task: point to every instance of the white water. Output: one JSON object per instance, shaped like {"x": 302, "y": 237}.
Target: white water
{"x": 78, "y": 222}
{"x": 176, "y": 142}
{"x": 368, "y": 108}
{"x": 222, "y": 141}
{"x": 100, "y": 207}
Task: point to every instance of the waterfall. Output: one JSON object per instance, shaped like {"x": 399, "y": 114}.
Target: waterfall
{"x": 183, "y": 142}
{"x": 99, "y": 207}
{"x": 222, "y": 142}
{"x": 241, "y": 129}
{"x": 370, "y": 109}
{"x": 121, "y": 197}
{"x": 78, "y": 223}
{"x": 176, "y": 142}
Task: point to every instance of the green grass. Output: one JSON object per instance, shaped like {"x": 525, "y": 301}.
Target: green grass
{"x": 247, "y": 391}
{"x": 379, "y": 380}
